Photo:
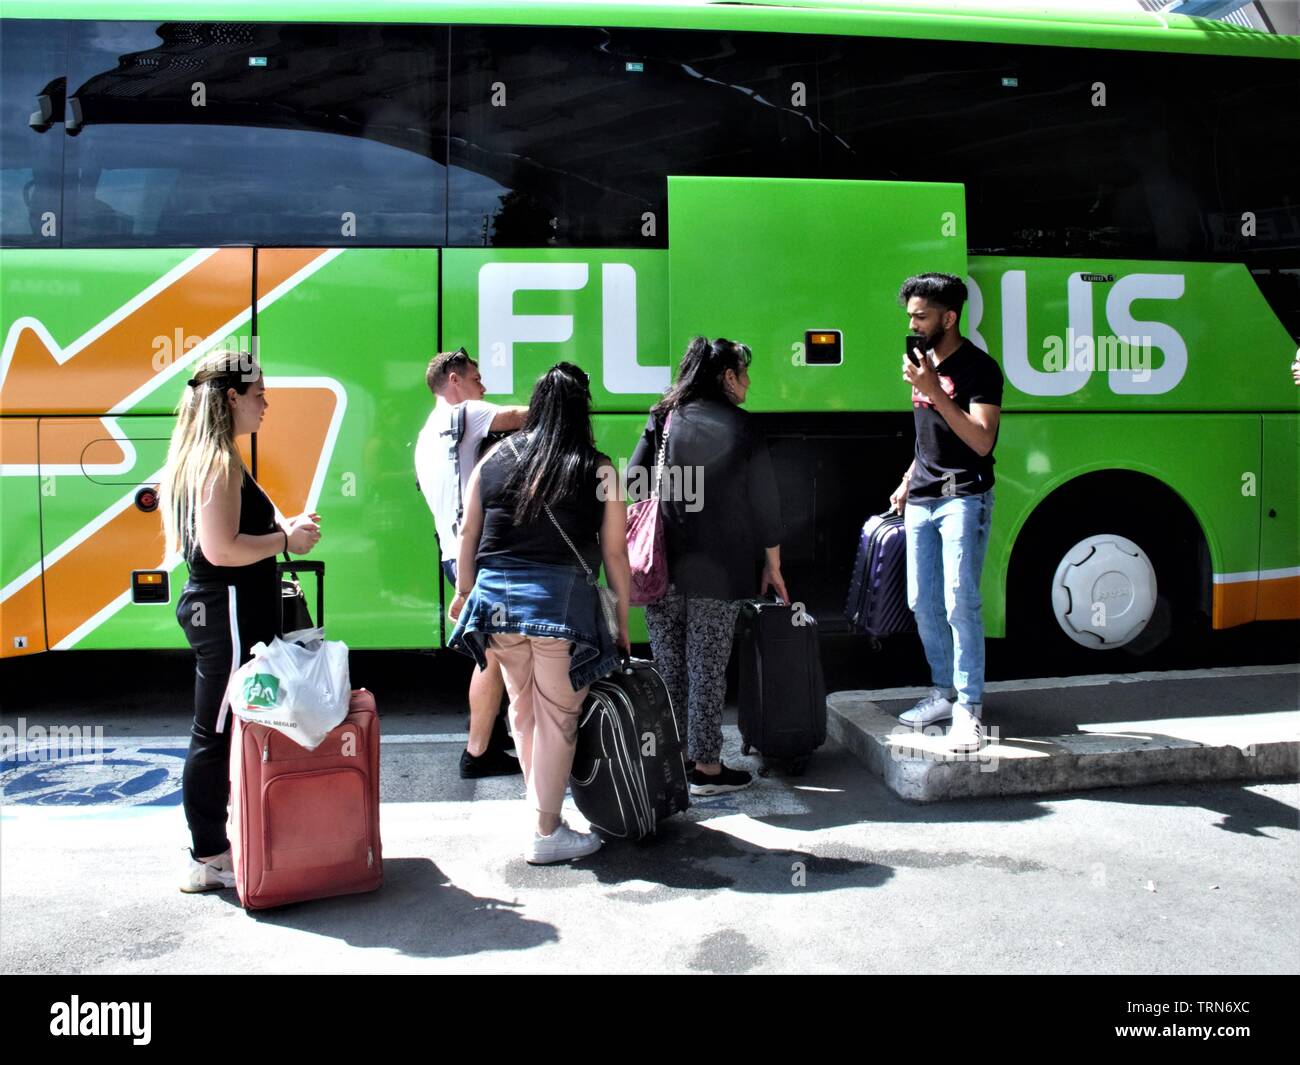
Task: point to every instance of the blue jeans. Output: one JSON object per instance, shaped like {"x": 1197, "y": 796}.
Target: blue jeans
{"x": 946, "y": 541}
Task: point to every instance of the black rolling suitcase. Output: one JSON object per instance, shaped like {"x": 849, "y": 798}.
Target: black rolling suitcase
{"x": 629, "y": 770}
{"x": 782, "y": 690}
{"x": 877, "y": 602}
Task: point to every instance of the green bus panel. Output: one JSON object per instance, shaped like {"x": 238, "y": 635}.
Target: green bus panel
{"x": 520, "y": 311}
{"x": 364, "y": 325}
{"x": 22, "y": 599}
{"x": 75, "y": 602}
{"x": 1279, "y": 540}
{"x": 93, "y": 331}
{"x": 764, "y": 261}
{"x": 20, "y": 503}
{"x": 1215, "y": 344}
{"x": 133, "y": 319}
{"x": 1212, "y": 461}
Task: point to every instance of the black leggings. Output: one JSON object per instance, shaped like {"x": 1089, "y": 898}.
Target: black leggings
{"x": 221, "y": 622}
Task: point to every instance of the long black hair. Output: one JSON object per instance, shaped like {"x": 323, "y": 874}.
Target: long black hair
{"x": 700, "y": 374}
{"x": 557, "y": 452}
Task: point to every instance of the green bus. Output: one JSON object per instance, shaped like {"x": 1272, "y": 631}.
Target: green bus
{"x": 350, "y": 187}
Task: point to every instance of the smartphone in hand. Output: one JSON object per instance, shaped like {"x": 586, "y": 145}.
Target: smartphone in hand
{"x": 914, "y": 341}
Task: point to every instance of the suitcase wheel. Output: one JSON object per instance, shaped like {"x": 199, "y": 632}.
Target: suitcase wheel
{"x": 798, "y": 766}
{"x": 745, "y": 749}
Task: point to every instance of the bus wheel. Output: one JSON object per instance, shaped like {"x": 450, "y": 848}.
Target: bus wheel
{"x": 1104, "y": 592}
{"x": 1111, "y": 561}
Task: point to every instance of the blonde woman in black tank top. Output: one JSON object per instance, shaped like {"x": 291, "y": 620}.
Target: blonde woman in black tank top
{"x": 226, "y": 529}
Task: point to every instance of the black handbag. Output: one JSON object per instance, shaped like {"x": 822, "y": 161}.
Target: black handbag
{"x": 294, "y": 614}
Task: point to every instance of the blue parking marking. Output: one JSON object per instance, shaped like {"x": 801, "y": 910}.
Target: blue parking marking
{"x": 116, "y": 776}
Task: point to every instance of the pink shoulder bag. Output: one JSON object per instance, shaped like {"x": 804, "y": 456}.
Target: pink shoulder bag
{"x": 645, "y": 539}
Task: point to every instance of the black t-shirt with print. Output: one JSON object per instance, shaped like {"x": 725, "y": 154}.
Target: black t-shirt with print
{"x": 969, "y": 375}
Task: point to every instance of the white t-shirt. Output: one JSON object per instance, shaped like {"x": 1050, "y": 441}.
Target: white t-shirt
{"x": 435, "y": 469}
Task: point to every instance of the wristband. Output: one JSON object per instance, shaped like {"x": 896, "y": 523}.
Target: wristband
{"x": 286, "y": 541}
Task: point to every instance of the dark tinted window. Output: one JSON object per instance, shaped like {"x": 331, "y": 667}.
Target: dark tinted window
{"x": 1256, "y": 129}
{"x": 587, "y": 125}
{"x": 1164, "y": 170}
{"x": 1047, "y": 171}
{"x": 300, "y": 129}
{"x": 33, "y": 61}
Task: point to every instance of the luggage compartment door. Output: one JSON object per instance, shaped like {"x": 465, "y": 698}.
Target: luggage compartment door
{"x": 807, "y": 272}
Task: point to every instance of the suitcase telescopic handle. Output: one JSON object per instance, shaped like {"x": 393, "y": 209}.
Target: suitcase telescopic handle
{"x": 318, "y": 568}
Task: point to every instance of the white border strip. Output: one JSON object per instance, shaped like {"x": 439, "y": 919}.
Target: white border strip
{"x": 1095, "y": 681}
{"x": 69, "y": 469}
{"x": 294, "y": 280}
{"x": 1257, "y": 575}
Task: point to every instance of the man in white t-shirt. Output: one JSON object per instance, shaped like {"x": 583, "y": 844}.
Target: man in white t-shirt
{"x": 449, "y": 444}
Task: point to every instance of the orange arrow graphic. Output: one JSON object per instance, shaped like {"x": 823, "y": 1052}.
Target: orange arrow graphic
{"x": 96, "y": 572}
{"x": 92, "y": 376}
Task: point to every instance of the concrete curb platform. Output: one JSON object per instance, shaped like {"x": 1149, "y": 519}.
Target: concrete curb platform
{"x": 1077, "y": 733}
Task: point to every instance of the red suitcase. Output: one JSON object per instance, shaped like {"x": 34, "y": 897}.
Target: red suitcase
{"x": 305, "y": 824}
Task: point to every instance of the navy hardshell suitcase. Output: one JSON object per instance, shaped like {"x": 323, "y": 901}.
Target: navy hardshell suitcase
{"x": 629, "y": 769}
{"x": 782, "y": 689}
{"x": 877, "y": 602}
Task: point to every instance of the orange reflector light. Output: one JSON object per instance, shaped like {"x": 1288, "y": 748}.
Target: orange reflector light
{"x": 149, "y": 586}
{"x": 823, "y": 347}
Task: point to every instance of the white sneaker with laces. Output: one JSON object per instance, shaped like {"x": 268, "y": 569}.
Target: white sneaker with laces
{"x": 212, "y": 875}
{"x": 562, "y": 845}
{"x": 934, "y": 707}
{"x": 966, "y": 734}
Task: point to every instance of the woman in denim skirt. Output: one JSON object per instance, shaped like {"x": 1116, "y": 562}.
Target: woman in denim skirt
{"x": 543, "y": 509}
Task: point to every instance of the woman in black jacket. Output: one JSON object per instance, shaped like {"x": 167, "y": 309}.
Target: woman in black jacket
{"x": 722, "y": 517}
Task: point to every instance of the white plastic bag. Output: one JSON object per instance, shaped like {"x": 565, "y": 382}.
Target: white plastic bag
{"x": 299, "y": 684}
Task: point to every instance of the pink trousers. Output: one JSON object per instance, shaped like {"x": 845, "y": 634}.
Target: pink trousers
{"x": 544, "y": 712}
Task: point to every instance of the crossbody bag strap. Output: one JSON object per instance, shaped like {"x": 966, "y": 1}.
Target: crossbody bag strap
{"x": 663, "y": 454}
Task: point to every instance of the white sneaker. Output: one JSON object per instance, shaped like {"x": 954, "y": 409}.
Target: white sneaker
{"x": 562, "y": 845}
{"x": 966, "y": 734}
{"x": 212, "y": 875}
{"x": 934, "y": 707}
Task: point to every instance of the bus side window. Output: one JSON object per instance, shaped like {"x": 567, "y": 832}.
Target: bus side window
{"x": 33, "y": 62}
{"x": 1069, "y": 152}
{"x": 195, "y": 134}
{"x": 566, "y": 136}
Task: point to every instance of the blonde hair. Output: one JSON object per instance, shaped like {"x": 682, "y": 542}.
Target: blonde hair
{"x": 203, "y": 442}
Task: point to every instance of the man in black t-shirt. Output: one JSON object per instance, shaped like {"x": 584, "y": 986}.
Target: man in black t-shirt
{"x": 946, "y": 498}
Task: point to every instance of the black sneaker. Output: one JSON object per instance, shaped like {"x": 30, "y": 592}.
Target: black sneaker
{"x": 489, "y": 764}
{"x": 727, "y": 780}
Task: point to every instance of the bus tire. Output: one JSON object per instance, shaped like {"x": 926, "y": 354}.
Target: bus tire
{"x": 1121, "y": 579}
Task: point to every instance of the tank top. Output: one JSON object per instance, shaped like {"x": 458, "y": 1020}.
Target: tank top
{"x": 256, "y": 518}
{"x": 579, "y": 516}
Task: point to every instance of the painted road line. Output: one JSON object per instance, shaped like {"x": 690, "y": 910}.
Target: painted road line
{"x": 11, "y": 748}
{"x": 1095, "y": 680}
